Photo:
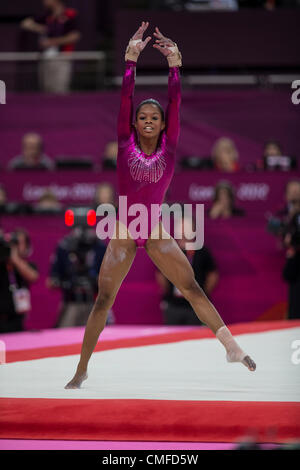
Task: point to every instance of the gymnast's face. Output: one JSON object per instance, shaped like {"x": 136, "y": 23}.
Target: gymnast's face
{"x": 149, "y": 121}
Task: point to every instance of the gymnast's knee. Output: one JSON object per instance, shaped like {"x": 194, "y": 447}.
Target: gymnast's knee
{"x": 191, "y": 290}
{"x": 103, "y": 303}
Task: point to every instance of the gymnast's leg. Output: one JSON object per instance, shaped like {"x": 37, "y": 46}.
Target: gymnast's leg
{"x": 173, "y": 264}
{"x": 116, "y": 263}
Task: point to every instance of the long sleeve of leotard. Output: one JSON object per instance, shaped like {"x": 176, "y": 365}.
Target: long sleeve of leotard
{"x": 126, "y": 106}
{"x": 174, "y": 100}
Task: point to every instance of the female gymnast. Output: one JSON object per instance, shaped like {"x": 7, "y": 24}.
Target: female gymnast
{"x": 145, "y": 166}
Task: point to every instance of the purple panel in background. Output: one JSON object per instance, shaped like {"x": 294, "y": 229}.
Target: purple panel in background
{"x": 82, "y": 124}
{"x": 213, "y": 39}
{"x": 257, "y": 193}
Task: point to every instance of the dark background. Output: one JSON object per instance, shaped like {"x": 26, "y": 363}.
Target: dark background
{"x": 248, "y": 39}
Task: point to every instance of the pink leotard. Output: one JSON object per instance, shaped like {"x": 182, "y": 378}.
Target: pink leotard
{"x": 145, "y": 178}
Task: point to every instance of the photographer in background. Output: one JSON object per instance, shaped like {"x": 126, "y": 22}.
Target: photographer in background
{"x": 16, "y": 275}
{"x": 292, "y": 200}
{"x": 74, "y": 270}
{"x": 291, "y": 271}
{"x": 278, "y": 221}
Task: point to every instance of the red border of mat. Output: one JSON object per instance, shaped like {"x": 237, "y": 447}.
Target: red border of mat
{"x": 197, "y": 333}
{"x": 147, "y": 420}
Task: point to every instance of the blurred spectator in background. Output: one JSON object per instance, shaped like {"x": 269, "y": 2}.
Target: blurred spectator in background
{"x": 104, "y": 194}
{"x": 176, "y": 309}
{"x": 59, "y": 32}
{"x": 3, "y": 199}
{"x": 74, "y": 270}
{"x": 291, "y": 271}
{"x": 32, "y": 156}
{"x": 280, "y": 219}
{"x": 285, "y": 224}
{"x": 16, "y": 275}
{"x": 272, "y": 148}
{"x": 292, "y": 201}
{"x": 225, "y": 155}
{"x": 274, "y": 159}
{"x": 48, "y": 202}
{"x": 292, "y": 196}
{"x": 109, "y": 159}
{"x": 224, "y": 202}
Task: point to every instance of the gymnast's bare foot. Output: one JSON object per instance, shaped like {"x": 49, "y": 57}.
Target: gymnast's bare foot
{"x": 233, "y": 351}
{"x": 77, "y": 380}
{"x": 239, "y": 356}
{"x": 248, "y": 362}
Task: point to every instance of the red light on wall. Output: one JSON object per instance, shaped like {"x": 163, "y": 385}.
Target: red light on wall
{"x": 91, "y": 217}
{"x": 69, "y": 218}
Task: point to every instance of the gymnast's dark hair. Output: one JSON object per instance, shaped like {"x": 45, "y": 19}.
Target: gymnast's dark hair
{"x": 151, "y": 101}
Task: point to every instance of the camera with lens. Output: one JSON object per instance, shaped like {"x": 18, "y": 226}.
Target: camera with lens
{"x": 78, "y": 247}
{"x": 79, "y": 244}
{"x": 5, "y": 247}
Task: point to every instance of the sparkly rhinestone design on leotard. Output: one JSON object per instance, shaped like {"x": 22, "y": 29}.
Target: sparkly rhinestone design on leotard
{"x": 149, "y": 169}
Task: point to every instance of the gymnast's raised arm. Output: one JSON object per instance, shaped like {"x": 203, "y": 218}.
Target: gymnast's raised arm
{"x": 170, "y": 50}
{"x": 134, "y": 48}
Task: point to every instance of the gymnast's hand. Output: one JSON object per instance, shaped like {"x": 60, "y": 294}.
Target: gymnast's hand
{"x": 136, "y": 44}
{"x": 168, "y": 48}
